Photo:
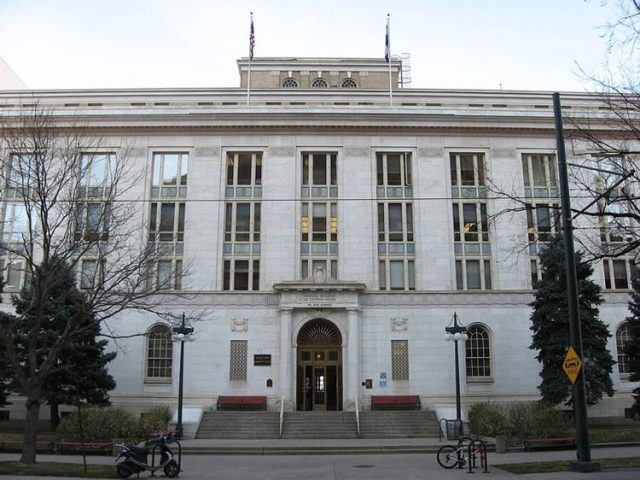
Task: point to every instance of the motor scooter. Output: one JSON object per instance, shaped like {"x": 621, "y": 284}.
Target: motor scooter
{"x": 136, "y": 457}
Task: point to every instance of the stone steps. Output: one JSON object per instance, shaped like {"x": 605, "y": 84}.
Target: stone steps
{"x": 399, "y": 424}
{"x": 319, "y": 425}
{"x": 239, "y": 425}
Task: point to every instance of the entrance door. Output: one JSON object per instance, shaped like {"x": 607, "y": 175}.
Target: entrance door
{"x": 319, "y": 380}
{"x": 319, "y": 369}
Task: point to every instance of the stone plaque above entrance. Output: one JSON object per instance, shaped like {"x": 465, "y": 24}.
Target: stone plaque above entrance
{"x": 326, "y": 293}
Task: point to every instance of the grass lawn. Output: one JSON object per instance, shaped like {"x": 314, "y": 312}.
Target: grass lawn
{"x": 54, "y": 469}
{"x": 620, "y": 434}
{"x": 563, "y": 466}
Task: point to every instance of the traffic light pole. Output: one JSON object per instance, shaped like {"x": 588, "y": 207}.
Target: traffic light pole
{"x": 583, "y": 463}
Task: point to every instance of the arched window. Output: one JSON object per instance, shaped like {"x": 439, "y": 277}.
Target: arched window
{"x": 622, "y": 337}
{"x": 289, "y": 83}
{"x": 478, "y": 353}
{"x": 319, "y": 83}
{"x": 159, "y": 354}
{"x": 349, "y": 83}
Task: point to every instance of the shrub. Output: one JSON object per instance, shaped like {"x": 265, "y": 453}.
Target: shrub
{"x": 536, "y": 419}
{"x": 98, "y": 425}
{"x": 105, "y": 424}
{"x": 487, "y": 419}
{"x": 518, "y": 420}
{"x": 154, "y": 420}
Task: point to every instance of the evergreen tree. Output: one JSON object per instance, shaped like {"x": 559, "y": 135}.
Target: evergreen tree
{"x": 632, "y": 346}
{"x": 80, "y": 373}
{"x": 550, "y": 326}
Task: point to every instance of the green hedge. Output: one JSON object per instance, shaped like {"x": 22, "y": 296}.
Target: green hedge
{"x": 105, "y": 424}
{"x": 519, "y": 420}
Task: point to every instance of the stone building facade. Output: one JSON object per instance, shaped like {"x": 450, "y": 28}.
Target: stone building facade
{"x": 331, "y": 232}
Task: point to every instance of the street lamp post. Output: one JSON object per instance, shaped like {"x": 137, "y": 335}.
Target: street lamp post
{"x": 457, "y": 332}
{"x": 181, "y": 333}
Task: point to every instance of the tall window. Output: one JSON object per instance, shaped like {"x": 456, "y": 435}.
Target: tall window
{"x": 399, "y": 359}
{"x": 13, "y": 273}
{"x": 319, "y": 214}
{"x": 478, "y": 353}
{"x": 243, "y": 192}
{"x": 159, "y": 355}
{"x": 618, "y": 273}
{"x": 92, "y": 273}
{"x": 20, "y": 175}
{"x": 92, "y": 221}
{"x": 396, "y": 244}
{"x": 15, "y": 224}
{"x": 539, "y": 172}
{"x": 167, "y": 218}
{"x": 540, "y": 177}
{"x": 622, "y": 337}
{"x": 98, "y": 172}
{"x": 472, "y": 247}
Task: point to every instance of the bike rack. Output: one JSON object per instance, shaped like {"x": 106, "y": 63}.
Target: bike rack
{"x": 153, "y": 456}
{"x": 474, "y": 448}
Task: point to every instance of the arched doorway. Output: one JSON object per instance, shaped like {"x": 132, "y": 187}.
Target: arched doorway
{"x": 319, "y": 366}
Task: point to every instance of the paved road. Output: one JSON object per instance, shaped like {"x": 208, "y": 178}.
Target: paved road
{"x": 369, "y": 467}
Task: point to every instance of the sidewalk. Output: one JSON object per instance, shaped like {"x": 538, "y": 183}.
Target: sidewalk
{"x": 357, "y": 466}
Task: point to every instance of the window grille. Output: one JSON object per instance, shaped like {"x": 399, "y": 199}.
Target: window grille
{"x": 399, "y": 359}
{"x": 238, "y": 360}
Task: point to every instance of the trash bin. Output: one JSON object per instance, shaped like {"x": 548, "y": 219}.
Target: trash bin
{"x": 454, "y": 429}
{"x": 501, "y": 444}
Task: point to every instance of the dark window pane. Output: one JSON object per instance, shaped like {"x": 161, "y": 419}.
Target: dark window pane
{"x": 244, "y": 169}
{"x": 319, "y": 169}
{"x": 394, "y": 173}
{"x": 241, "y": 275}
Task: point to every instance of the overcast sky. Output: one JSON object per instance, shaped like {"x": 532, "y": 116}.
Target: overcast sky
{"x": 519, "y": 44}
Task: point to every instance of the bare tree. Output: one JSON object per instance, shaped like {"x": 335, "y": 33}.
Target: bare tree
{"x": 69, "y": 197}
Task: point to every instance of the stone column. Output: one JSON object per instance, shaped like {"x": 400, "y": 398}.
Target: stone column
{"x": 285, "y": 353}
{"x": 353, "y": 357}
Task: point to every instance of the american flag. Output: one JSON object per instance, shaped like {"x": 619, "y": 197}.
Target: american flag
{"x": 387, "y": 43}
{"x": 252, "y": 39}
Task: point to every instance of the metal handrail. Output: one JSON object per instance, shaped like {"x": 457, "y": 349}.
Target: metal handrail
{"x": 357, "y": 416}
{"x": 281, "y": 415}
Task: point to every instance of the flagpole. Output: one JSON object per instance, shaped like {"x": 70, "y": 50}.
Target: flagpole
{"x": 251, "y": 40}
{"x": 388, "y": 51}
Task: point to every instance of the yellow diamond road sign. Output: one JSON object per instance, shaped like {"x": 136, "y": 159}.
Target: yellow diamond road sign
{"x": 572, "y": 365}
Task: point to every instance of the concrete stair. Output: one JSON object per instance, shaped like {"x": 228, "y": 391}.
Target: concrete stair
{"x": 239, "y": 425}
{"x": 317, "y": 425}
{"x": 399, "y": 424}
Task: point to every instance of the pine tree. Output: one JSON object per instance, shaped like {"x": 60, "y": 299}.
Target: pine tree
{"x": 632, "y": 346}
{"x": 80, "y": 373}
{"x": 550, "y": 326}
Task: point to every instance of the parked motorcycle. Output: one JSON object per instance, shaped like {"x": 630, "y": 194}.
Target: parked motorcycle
{"x": 136, "y": 457}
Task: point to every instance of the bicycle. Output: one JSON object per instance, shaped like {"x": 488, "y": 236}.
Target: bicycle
{"x": 450, "y": 456}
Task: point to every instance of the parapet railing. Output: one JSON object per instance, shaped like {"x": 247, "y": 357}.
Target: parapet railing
{"x": 281, "y": 415}
{"x": 357, "y": 416}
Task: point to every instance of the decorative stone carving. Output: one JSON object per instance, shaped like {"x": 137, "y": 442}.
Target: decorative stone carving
{"x": 430, "y": 152}
{"x": 136, "y": 152}
{"x": 504, "y": 153}
{"x": 282, "y": 151}
{"x": 356, "y": 152}
{"x": 239, "y": 324}
{"x": 319, "y": 274}
{"x": 206, "y": 152}
{"x": 399, "y": 324}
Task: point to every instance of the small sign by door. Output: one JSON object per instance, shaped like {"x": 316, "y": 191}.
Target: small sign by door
{"x": 260, "y": 360}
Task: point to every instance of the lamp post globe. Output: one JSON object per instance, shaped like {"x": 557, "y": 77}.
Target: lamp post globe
{"x": 457, "y": 332}
{"x": 181, "y": 333}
